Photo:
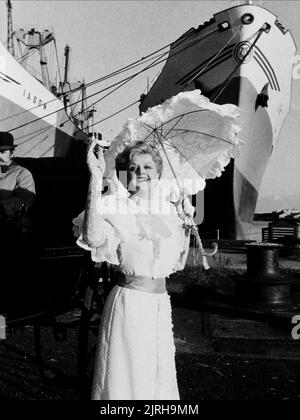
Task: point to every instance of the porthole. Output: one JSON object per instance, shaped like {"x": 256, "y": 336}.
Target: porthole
{"x": 247, "y": 18}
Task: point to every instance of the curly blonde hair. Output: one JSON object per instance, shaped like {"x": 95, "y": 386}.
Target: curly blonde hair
{"x": 123, "y": 159}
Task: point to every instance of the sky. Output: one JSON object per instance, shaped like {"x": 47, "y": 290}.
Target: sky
{"x": 107, "y": 35}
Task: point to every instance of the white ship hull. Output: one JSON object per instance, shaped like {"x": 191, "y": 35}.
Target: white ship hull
{"x": 212, "y": 58}
{"x": 34, "y": 115}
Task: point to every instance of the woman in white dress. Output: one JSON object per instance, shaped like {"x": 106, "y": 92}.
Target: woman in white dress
{"x": 140, "y": 231}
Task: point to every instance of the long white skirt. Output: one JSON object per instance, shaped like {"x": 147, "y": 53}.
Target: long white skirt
{"x": 135, "y": 357}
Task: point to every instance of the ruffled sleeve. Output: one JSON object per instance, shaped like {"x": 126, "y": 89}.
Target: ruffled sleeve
{"x": 105, "y": 252}
{"x": 117, "y": 224}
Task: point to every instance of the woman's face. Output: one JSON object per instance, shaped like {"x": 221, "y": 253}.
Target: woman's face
{"x": 142, "y": 170}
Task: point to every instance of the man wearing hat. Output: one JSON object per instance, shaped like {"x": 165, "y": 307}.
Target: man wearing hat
{"x": 17, "y": 188}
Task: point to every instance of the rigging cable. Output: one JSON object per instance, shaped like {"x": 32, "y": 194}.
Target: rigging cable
{"x": 180, "y": 116}
{"x": 27, "y": 54}
{"x": 124, "y": 69}
{"x": 115, "y": 113}
{"x": 123, "y": 80}
{"x": 216, "y": 55}
{"x": 94, "y": 103}
{"x": 227, "y": 81}
{"x": 212, "y": 60}
{"x": 57, "y": 63}
{"x": 76, "y": 90}
{"x": 145, "y": 59}
{"x": 118, "y": 87}
{"x": 89, "y": 96}
{"x": 153, "y": 65}
{"x": 140, "y": 61}
{"x": 60, "y": 109}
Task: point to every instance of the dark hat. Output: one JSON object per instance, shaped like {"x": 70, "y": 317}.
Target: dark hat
{"x": 6, "y": 141}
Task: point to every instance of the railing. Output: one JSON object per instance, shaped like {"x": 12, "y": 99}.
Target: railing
{"x": 273, "y": 232}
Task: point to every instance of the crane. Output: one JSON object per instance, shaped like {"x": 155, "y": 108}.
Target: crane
{"x": 10, "y": 41}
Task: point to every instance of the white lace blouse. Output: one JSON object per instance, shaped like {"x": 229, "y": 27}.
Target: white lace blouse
{"x": 142, "y": 241}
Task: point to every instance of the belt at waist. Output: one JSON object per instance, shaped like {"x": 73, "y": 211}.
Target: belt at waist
{"x": 144, "y": 284}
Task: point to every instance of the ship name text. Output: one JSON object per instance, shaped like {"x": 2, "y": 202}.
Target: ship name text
{"x": 34, "y": 99}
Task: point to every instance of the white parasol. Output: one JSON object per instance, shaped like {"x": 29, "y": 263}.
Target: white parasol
{"x": 196, "y": 138}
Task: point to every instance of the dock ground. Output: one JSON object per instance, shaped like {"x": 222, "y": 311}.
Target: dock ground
{"x": 218, "y": 357}
{"x": 207, "y": 369}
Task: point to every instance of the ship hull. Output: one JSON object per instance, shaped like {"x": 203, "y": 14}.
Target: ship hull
{"x": 36, "y": 118}
{"x": 211, "y": 59}
{"x": 229, "y": 201}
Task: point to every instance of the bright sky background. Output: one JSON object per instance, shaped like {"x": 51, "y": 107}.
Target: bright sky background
{"x": 107, "y": 35}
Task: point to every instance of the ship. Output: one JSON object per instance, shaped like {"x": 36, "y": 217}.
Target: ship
{"x": 36, "y": 110}
{"x": 244, "y": 56}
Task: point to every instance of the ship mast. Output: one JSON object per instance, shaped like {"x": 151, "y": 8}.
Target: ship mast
{"x": 33, "y": 39}
{"x": 43, "y": 61}
{"x": 67, "y": 55}
{"x": 66, "y": 73}
{"x": 84, "y": 120}
{"x": 10, "y": 41}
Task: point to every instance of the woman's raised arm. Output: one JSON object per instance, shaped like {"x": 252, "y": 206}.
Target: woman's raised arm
{"x": 93, "y": 234}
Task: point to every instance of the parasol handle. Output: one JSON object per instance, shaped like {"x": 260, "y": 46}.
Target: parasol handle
{"x": 193, "y": 226}
{"x": 214, "y": 250}
{"x": 203, "y": 252}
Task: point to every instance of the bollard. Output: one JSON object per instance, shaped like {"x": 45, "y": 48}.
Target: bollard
{"x": 262, "y": 259}
{"x": 263, "y": 286}
{"x": 2, "y": 328}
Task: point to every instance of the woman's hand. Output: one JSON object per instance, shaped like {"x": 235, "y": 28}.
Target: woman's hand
{"x": 185, "y": 209}
{"x": 188, "y": 209}
{"x": 95, "y": 159}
